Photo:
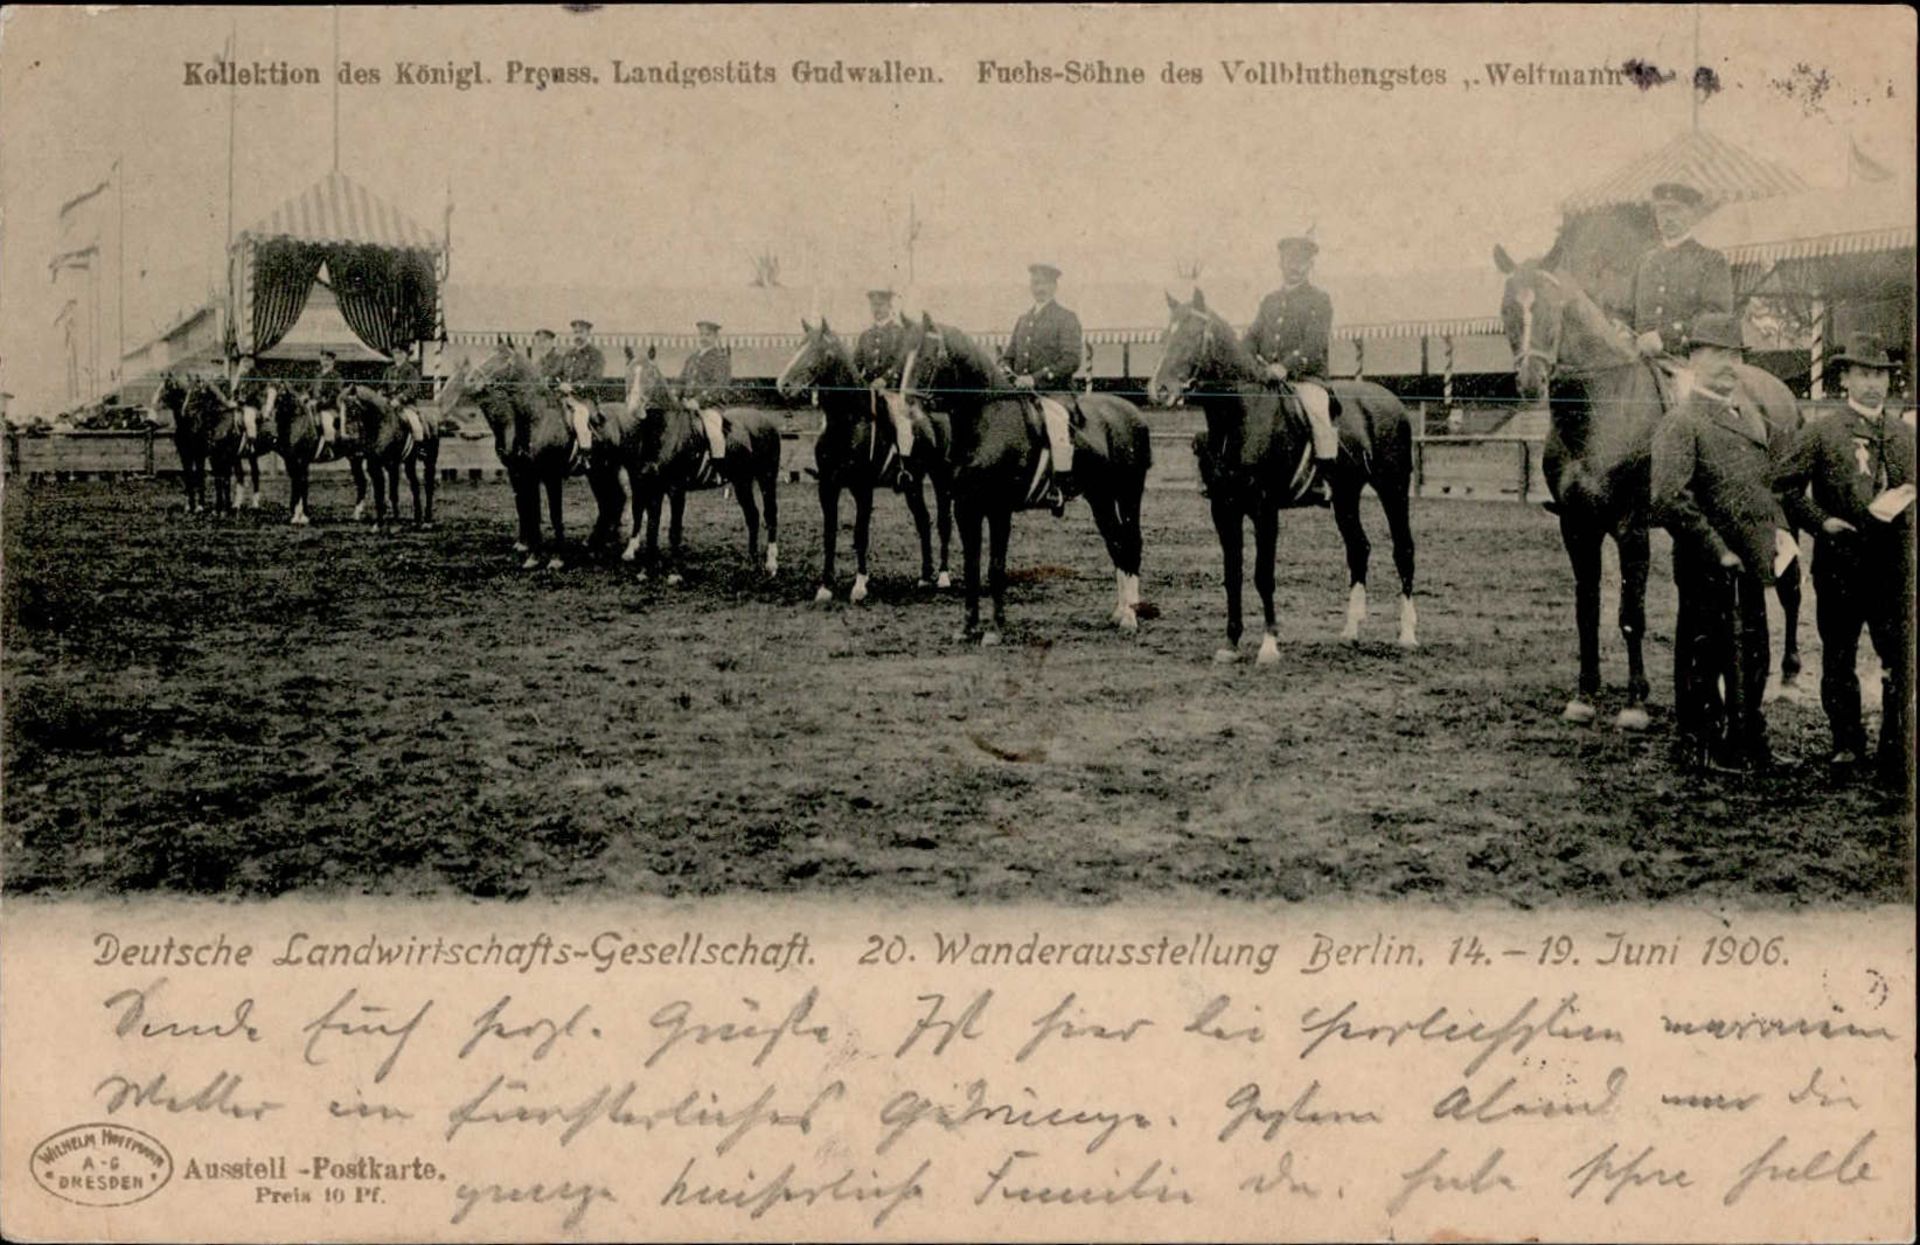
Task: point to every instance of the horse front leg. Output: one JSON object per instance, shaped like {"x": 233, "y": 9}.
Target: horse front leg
{"x": 943, "y": 509}
{"x": 829, "y": 537}
{"x": 432, "y": 463}
{"x": 971, "y": 520}
{"x": 915, "y": 494}
{"x": 556, "y": 483}
{"x": 1353, "y": 534}
{"x": 862, "y": 526}
{"x": 676, "y": 533}
{"x": 358, "y": 467}
{"x": 1266, "y": 539}
{"x": 743, "y": 494}
{"x": 999, "y": 530}
{"x": 1227, "y": 525}
{"x": 253, "y": 471}
{"x": 413, "y": 487}
{"x": 1635, "y": 557}
{"x": 1395, "y": 502}
{"x": 1583, "y": 552}
{"x": 1106, "y": 517}
{"x": 770, "y": 507}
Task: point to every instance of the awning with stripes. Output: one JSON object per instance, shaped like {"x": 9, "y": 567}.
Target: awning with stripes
{"x": 338, "y": 209}
{"x": 1715, "y": 167}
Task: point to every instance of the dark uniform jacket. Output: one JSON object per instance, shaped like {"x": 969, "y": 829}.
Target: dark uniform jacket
{"x": 1046, "y": 346}
{"x": 580, "y": 365}
{"x": 549, "y": 365}
{"x": 1715, "y": 464}
{"x": 881, "y": 351}
{"x": 1674, "y": 284}
{"x": 402, "y": 383}
{"x": 1294, "y": 327}
{"x": 1840, "y": 462}
{"x": 327, "y": 384}
{"x": 706, "y": 375}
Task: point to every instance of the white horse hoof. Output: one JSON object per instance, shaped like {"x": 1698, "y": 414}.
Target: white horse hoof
{"x": 1633, "y": 718}
{"x": 360, "y": 512}
{"x": 859, "y": 592}
{"x": 675, "y": 580}
{"x": 1225, "y": 656}
{"x": 532, "y": 563}
{"x": 1408, "y": 620}
{"x": 1129, "y": 621}
{"x": 641, "y": 578}
{"x": 822, "y": 595}
{"x": 990, "y": 639}
{"x": 629, "y": 554}
{"x": 1269, "y": 652}
{"x": 519, "y": 546}
{"x": 1351, "y": 633}
{"x": 556, "y": 563}
{"x": 944, "y": 582}
{"x": 1578, "y": 711}
{"x": 773, "y": 559}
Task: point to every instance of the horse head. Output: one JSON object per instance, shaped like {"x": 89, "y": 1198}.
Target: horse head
{"x": 1553, "y": 326}
{"x": 648, "y": 390}
{"x": 943, "y": 364}
{"x": 170, "y": 398}
{"x": 821, "y": 354}
{"x": 1198, "y": 349}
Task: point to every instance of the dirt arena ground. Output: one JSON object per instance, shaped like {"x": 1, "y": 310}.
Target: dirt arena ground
{"x": 235, "y": 707}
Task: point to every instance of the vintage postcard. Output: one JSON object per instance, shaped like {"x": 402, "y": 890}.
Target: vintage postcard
{"x": 966, "y": 622}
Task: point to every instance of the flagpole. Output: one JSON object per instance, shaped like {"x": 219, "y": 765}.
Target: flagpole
{"x": 230, "y": 332}
{"x": 120, "y": 185}
{"x": 336, "y": 88}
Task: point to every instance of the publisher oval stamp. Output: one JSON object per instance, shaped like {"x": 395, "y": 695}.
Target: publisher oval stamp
{"x": 102, "y": 1165}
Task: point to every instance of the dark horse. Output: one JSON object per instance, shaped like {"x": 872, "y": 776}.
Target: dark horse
{"x": 381, "y": 435}
{"x": 296, "y": 434}
{"x": 1259, "y": 441}
{"x": 507, "y": 392}
{"x": 207, "y": 432}
{"x": 1604, "y": 400}
{"x": 661, "y": 447}
{"x": 996, "y": 453}
{"x": 856, "y": 443}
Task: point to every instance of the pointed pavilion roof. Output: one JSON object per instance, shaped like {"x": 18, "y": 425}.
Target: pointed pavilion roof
{"x": 1717, "y": 168}
{"x": 338, "y": 209}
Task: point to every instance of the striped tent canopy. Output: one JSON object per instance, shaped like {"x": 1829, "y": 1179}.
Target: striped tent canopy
{"x": 1718, "y": 169}
{"x": 1817, "y": 224}
{"x": 337, "y": 209}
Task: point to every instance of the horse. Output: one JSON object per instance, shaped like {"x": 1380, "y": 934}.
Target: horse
{"x": 389, "y": 441}
{"x": 662, "y": 448}
{"x": 509, "y": 395}
{"x": 207, "y": 433}
{"x": 296, "y": 435}
{"x": 997, "y": 453}
{"x": 857, "y": 443}
{"x": 1604, "y": 399}
{"x": 1261, "y": 444}
{"x": 170, "y": 400}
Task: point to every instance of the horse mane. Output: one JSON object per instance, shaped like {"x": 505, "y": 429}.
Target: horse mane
{"x": 1600, "y": 249}
{"x": 971, "y": 367}
{"x": 1228, "y": 349}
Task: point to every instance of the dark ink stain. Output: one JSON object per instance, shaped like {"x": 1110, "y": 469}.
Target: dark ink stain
{"x": 1806, "y": 86}
{"x": 583, "y": 8}
{"x": 1706, "y": 82}
{"x": 1646, "y": 75}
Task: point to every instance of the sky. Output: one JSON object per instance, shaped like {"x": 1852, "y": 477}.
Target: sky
{"x": 636, "y": 186}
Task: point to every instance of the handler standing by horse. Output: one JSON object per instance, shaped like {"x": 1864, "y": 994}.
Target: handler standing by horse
{"x": 1042, "y": 355}
{"x": 1290, "y": 337}
{"x": 1680, "y": 280}
{"x": 1850, "y": 481}
{"x": 327, "y": 387}
{"x": 1715, "y": 462}
{"x": 704, "y": 378}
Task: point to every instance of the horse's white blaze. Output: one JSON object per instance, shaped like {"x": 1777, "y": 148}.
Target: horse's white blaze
{"x": 1269, "y": 650}
{"x": 773, "y": 558}
{"x": 945, "y": 581}
{"x": 786, "y": 373}
{"x": 1525, "y": 299}
{"x": 1356, "y": 611}
{"x": 1409, "y": 619}
{"x": 859, "y": 592}
{"x": 822, "y": 595}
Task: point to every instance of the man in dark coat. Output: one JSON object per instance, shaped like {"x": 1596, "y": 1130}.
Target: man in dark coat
{"x": 1291, "y": 336}
{"x": 1850, "y": 481}
{"x": 580, "y": 367}
{"x": 1679, "y": 280}
{"x": 1042, "y": 355}
{"x": 881, "y": 350}
{"x": 704, "y": 380}
{"x": 401, "y": 381}
{"x": 1715, "y": 463}
{"x": 547, "y": 355}
{"x": 327, "y": 387}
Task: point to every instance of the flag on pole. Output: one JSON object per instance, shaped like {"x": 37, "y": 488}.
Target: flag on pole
{"x": 81, "y": 258}
{"x": 79, "y": 201}
{"x": 1862, "y": 167}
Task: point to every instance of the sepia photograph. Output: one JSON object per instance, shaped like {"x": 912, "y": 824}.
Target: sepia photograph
{"x": 937, "y": 475}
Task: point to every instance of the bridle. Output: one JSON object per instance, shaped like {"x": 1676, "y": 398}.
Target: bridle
{"x": 1550, "y": 358}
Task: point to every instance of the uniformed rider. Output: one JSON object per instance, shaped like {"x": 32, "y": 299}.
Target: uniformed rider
{"x": 578, "y": 369}
{"x": 1042, "y": 355}
{"x": 1290, "y": 337}
{"x": 327, "y": 387}
{"x": 1679, "y": 280}
{"x": 704, "y": 380}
